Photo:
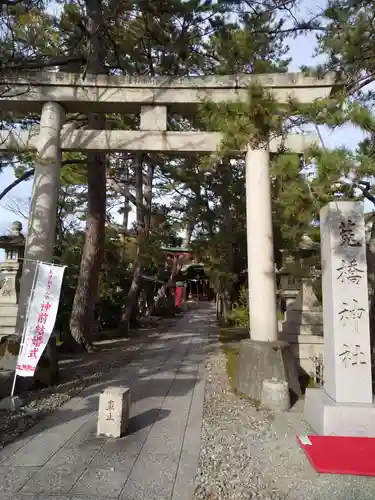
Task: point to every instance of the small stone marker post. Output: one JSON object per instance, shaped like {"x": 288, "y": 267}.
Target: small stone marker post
{"x": 114, "y": 408}
{"x": 275, "y": 395}
{"x": 344, "y": 406}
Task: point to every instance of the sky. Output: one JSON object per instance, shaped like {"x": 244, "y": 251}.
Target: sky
{"x": 301, "y": 52}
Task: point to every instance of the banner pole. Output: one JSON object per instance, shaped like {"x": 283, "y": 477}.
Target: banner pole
{"x": 24, "y": 331}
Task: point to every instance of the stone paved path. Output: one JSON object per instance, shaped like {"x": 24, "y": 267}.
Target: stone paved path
{"x": 61, "y": 457}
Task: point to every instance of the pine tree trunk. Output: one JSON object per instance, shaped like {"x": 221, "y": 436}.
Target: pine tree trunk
{"x": 147, "y": 196}
{"x": 195, "y": 208}
{"x": 175, "y": 268}
{"x": 218, "y": 306}
{"x": 133, "y": 294}
{"x": 82, "y": 318}
{"x": 125, "y": 219}
{"x": 228, "y": 231}
{"x": 190, "y": 228}
{"x": 135, "y": 287}
{"x": 190, "y": 225}
{"x": 226, "y": 307}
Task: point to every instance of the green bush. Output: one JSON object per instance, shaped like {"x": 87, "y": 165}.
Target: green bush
{"x": 239, "y": 316}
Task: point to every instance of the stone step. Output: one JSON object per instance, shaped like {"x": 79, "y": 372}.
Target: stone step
{"x": 6, "y": 330}
{"x": 7, "y": 321}
{"x": 8, "y": 309}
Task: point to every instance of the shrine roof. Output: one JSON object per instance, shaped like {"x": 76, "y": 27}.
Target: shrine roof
{"x": 176, "y": 249}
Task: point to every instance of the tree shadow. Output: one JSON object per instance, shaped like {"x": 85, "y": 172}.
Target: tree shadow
{"x": 88, "y": 367}
{"x": 77, "y": 411}
{"x": 146, "y": 419}
{"x": 154, "y": 371}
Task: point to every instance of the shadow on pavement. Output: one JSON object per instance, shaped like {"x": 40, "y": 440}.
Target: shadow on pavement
{"x": 147, "y": 418}
{"x": 149, "y": 372}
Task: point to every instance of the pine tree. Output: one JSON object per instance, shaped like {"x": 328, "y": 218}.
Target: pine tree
{"x": 347, "y": 39}
{"x": 250, "y": 44}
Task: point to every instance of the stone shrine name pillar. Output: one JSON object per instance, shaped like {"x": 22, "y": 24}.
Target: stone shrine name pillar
{"x": 345, "y": 405}
{"x": 347, "y": 371}
{"x": 42, "y": 221}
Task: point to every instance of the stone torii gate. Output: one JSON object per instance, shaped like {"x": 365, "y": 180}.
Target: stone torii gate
{"x": 55, "y": 94}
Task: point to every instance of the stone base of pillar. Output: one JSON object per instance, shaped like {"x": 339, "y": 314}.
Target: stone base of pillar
{"x": 328, "y": 418}
{"x": 9, "y": 347}
{"x": 258, "y": 361}
{"x": 6, "y": 381}
{"x": 47, "y": 372}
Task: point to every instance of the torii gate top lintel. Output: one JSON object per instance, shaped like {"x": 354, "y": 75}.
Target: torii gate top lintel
{"x": 61, "y": 78}
{"x": 25, "y": 92}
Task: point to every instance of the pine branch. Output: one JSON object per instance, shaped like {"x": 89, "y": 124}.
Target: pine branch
{"x": 40, "y": 63}
{"x": 29, "y": 173}
{"x": 365, "y": 187}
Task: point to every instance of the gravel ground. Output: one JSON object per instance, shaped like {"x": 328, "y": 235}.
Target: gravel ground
{"x": 226, "y": 471}
{"x": 76, "y": 373}
{"x": 233, "y": 457}
{"x": 251, "y": 454}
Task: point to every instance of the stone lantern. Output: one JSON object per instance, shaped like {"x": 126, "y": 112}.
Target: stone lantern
{"x": 10, "y": 274}
{"x": 303, "y": 324}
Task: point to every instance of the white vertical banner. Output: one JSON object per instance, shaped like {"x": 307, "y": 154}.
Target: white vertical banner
{"x": 41, "y": 316}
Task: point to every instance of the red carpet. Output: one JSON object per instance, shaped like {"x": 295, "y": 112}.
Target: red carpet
{"x": 340, "y": 455}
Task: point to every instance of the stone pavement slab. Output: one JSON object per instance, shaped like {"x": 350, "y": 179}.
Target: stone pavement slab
{"x": 62, "y": 458}
{"x": 184, "y": 484}
{"x": 14, "y": 478}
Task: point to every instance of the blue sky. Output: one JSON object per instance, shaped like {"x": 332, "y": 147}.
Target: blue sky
{"x": 302, "y": 50}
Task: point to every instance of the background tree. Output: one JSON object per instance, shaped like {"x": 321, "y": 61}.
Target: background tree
{"x": 179, "y": 38}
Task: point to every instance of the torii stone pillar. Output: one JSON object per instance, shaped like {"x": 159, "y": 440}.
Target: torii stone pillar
{"x": 260, "y": 258}
{"x": 42, "y": 221}
{"x": 262, "y": 356}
